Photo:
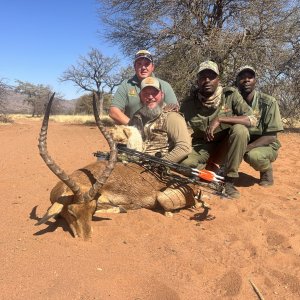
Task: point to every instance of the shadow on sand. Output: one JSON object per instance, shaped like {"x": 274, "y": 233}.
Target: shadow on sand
{"x": 59, "y": 222}
{"x": 246, "y": 180}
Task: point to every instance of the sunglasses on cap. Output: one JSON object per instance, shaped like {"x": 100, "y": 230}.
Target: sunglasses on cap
{"x": 146, "y": 55}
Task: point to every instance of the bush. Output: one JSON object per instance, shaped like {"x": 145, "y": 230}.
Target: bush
{"x": 5, "y": 119}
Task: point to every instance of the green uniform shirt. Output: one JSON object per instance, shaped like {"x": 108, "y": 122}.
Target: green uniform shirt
{"x": 266, "y": 110}
{"x": 127, "y": 96}
{"x": 199, "y": 117}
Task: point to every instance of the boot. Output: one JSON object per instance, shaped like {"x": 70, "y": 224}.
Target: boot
{"x": 266, "y": 177}
{"x": 230, "y": 190}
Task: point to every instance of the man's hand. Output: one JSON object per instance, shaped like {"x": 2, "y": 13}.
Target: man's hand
{"x": 250, "y": 147}
{"x": 211, "y": 128}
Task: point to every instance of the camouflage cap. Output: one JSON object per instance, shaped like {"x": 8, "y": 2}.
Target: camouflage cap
{"x": 143, "y": 54}
{"x": 245, "y": 68}
{"x": 150, "y": 81}
{"x": 209, "y": 65}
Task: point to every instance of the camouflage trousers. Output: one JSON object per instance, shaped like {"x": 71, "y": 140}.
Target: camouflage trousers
{"x": 260, "y": 158}
{"x": 228, "y": 148}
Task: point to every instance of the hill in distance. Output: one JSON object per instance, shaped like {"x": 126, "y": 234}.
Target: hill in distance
{"x": 14, "y": 104}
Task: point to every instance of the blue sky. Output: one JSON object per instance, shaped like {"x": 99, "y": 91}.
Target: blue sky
{"x": 40, "y": 39}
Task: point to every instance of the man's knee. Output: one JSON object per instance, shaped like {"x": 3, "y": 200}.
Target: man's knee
{"x": 196, "y": 160}
{"x": 240, "y": 131}
{"x": 257, "y": 160}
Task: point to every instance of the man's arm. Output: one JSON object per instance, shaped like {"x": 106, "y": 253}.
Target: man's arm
{"x": 271, "y": 125}
{"x": 262, "y": 141}
{"x": 169, "y": 93}
{"x": 178, "y": 134}
{"x": 243, "y": 120}
{"x": 242, "y": 114}
{"x": 118, "y": 116}
{"x": 118, "y": 104}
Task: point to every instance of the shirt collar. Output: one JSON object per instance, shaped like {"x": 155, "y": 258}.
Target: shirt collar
{"x": 136, "y": 81}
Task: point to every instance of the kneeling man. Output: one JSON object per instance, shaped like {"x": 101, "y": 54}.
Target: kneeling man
{"x": 164, "y": 132}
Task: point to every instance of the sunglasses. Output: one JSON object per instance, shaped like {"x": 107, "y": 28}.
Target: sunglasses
{"x": 143, "y": 55}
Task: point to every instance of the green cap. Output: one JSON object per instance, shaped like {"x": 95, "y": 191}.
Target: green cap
{"x": 245, "y": 68}
{"x": 209, "y": 65}
{"x": 150, "y": 81}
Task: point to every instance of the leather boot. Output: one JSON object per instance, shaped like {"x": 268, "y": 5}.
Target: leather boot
{"x": 266, "y": 177}
{"x": 230, "y": 190}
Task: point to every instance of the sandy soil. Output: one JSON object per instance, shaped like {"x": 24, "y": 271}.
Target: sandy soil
{"x": 142, "y": 254}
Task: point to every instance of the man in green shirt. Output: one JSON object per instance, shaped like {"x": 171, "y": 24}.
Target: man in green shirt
{"x": 219, "y": 118}
{"x": 263, "y": 146}
{"x": 126, "y": 100}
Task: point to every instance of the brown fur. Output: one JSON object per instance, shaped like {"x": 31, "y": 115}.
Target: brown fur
{"x": 128, "y": 187}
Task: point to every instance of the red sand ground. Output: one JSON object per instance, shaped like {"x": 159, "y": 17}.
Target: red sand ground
{"x": 142, "y": 254}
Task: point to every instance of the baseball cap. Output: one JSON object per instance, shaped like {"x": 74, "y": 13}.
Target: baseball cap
{"x": 245, "y": 68}
{"x": 150, "y": 81}
{"x": 143, "y": 54}
{"x": 209, "y": 65}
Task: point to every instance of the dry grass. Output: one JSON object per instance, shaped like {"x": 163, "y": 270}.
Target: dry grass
{"x": 69, "y": 119}
{"x": 23, "y": 116}
{"x": 81, "y": 119}
{"x": 73, "y": 119}
{"x": 5, "y": 119}
{"x": 291, "y": 123}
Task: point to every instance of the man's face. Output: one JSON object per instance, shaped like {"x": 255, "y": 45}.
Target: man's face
{"x": 143, "y": 68}
{"x": 208, "y": 82}
{"x": 246, "y": 82}
{"x": 151, "y": 97}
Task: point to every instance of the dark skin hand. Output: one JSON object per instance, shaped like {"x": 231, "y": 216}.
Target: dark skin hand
{"x": 264, "y": 140}
{"x": 243, "y": 120}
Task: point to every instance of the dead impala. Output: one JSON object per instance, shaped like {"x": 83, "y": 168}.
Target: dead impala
{"x": 106, "y": 185}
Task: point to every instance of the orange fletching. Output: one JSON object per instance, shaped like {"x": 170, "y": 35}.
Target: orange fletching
{"x": 206, "y": 175}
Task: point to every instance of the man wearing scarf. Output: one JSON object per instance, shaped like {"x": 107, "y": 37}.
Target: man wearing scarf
{"x": 219, "y": 118}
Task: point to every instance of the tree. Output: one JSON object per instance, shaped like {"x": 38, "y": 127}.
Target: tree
{"x": 37, "y": 95}
{"x": 183, "y": 33}
{"x": 3, "y": 92}
{"x": 4, "y": 88}
{"x": 94, "y": 73}
{"x": 84, "y": 104}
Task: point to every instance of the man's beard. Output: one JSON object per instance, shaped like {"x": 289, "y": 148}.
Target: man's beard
{"x": 149, "y": 113}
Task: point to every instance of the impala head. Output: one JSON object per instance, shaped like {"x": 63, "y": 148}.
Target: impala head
{"x": 77, "y": 207}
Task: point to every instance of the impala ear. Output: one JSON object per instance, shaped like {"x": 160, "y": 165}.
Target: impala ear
{"x": 53, "y": 211}
{"x": 127, "y": 132}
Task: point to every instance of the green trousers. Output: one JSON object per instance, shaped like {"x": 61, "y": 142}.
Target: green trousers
{"x": 260, "y": 158}
{"x": 228, "y": 148}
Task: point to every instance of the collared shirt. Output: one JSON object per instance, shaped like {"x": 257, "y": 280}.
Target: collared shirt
{"x": 127, "y": 96}
{"x": 266, "y": 110}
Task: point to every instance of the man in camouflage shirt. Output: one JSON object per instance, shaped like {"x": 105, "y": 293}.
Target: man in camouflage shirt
{"x": 263, "y": 146}
{"x": 164, "y": 133}
{"x": 219, "y": 118}
{"x": 126, "y": 100}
